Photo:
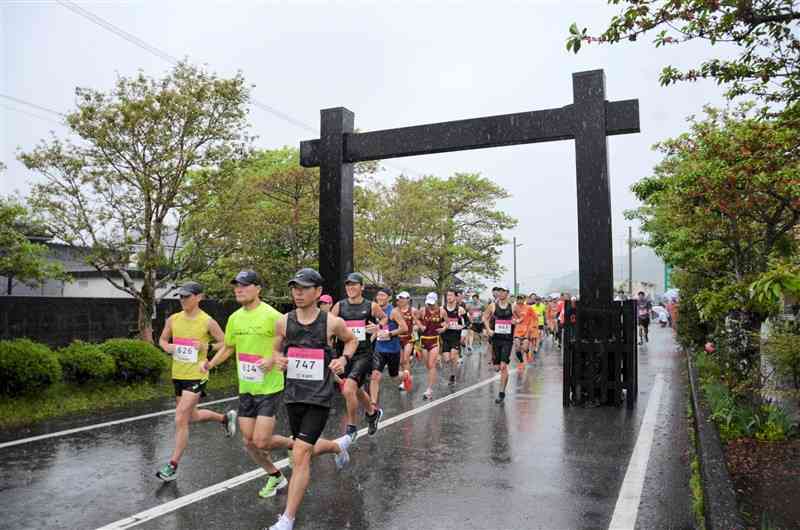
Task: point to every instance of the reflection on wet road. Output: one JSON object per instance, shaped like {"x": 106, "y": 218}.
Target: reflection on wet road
{"x": 463, "y": 463}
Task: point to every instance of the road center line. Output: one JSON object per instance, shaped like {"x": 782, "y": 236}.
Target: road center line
{"x": 231, "y": 483}
{"x": 105, "y": 424}
{"x": 630, "y": 493}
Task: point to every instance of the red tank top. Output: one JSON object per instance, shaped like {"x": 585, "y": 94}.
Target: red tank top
{"x": 432, "y": 321}
{"x": 408, "y": 316}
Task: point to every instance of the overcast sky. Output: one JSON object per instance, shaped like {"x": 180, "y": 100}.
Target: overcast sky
{"x": 393, "y": 64}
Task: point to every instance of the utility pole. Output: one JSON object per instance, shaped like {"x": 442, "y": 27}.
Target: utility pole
{"x": 515, "y": 267}
{"x": 630, "y": 262}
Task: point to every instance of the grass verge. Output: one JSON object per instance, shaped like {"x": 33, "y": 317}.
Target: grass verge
{"x": 695, "y": 480}
{"x": 62, "y": 399}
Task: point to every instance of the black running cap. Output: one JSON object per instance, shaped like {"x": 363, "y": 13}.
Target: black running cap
{"x": 354, "y": 277}
{"x": 190, "y": 288}
{"x": 247, "y": 277}
{"x": 306, "y": 278}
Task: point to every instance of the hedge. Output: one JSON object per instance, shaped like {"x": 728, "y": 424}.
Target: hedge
{"x": 26, "y": 366}
{"x": 83, "y": 362}
{"x": 136, "y": 360}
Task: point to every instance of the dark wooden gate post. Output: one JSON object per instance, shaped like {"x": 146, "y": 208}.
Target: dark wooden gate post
{"x": 335, "y": 201}
{"x": 594, "y": 195}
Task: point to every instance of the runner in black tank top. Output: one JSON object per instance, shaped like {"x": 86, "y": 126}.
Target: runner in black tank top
{"x": 498, "y": 319}
{"x": 302, "y": 349}
{"x": 452, "y": 335}
{"x": 360, "y": 315}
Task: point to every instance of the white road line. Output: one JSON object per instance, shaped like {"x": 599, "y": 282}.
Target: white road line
{"x": 220, "y": 487}
{"x": 630, "y": 494}
{"x": 102, "y": 425}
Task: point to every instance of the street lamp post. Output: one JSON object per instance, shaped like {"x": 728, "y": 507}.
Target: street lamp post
{"x": 516, "y": 286}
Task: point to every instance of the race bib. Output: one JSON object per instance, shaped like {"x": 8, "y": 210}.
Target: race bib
{"x": 643, "y": 312}
{"x": 384, "y": 335}
{"x": 358, "y": 327}
{"x": 185, "y": 350}
{"x": 475, "y": 316}
{"x": 248, "y": 370}
{"x": 305, "y": 364}
{"x": 452, "y": 323}
{"x": 502, "y": 327}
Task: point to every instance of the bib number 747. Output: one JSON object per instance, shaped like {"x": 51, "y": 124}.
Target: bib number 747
{"x": 305, "y": 364}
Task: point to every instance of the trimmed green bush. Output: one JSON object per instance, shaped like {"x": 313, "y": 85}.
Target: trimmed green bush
{"x": 26, "y": 366}
{"x": 136, "y": 360}
{"x": 83, "y": 362}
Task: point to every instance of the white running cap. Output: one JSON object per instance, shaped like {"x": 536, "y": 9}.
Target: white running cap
{"x": 403, "y": 294}
{"x": 431, "y": 298}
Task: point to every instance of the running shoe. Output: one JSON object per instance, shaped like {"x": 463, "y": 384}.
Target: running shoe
{"x": 500, "y": 398}
{"x": 373, "y": 421}
{"x": 453, "y": 379}
{"x": 168, "y": 473}
{"x": 408, "y": 382}
{"x": 352, "y": 432}
{"x": 229, "y": 424}
{"x": 428, "y": 394}
{"x": 283, "y": 523}
{"x": 272, "y": 486}
{"x": 343, "y": 457}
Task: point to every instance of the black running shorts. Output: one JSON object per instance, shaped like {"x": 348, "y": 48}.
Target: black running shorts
{"x": 251, "y": 406}
{"x": 644, "y": 321}
{"x": 477, "y": 327}
{"x": 307, "y": 421}
{"x": 195, "y": 386}
{"x": 359, "y": 368}
{"x": 450, "y": 343}
{"x": 501, "y": 351}
{"x": 381, "y": 360}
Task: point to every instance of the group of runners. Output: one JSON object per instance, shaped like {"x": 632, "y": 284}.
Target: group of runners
{"x": 302, "y": 357}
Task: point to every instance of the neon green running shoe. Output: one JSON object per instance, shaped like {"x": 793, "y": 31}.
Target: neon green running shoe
{"x": 272, "y": 486}
{"x": 167, "y": 473}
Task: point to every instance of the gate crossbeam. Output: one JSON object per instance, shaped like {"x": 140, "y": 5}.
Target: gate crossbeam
{"x": 622, "y": 117}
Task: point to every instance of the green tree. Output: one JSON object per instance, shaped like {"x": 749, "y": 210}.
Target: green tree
{"x": 391, "y": 227}
{"x": 466, "y": 236}
{"x": 723, "y": 206}
{"x": 274, "y": 227}
{"x": 765, "y": 31}
{"x": 124, "y": 188}
{"x": 21, "y": 259}
{"x": 431, "y": 228}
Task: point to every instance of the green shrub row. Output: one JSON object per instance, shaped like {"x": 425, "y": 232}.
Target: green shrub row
{"x": 735, "y": 416}
{"x": 27, "y": 366}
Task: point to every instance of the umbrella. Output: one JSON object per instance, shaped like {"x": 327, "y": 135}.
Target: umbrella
{"x": 672, "y": 294}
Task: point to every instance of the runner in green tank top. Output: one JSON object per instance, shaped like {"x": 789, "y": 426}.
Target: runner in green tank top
{"x": 187, "y": 337}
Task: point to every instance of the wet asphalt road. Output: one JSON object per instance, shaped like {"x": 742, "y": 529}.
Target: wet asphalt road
{"x": 465, "y": 463}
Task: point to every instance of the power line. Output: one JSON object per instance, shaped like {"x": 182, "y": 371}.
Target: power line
{"x": 173, "y": 60}
{"x": 45, "y": 118}
{"x": 161, "y": 54}
{"x": 34, "y": 105}
{"x": 118, "y": 31}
